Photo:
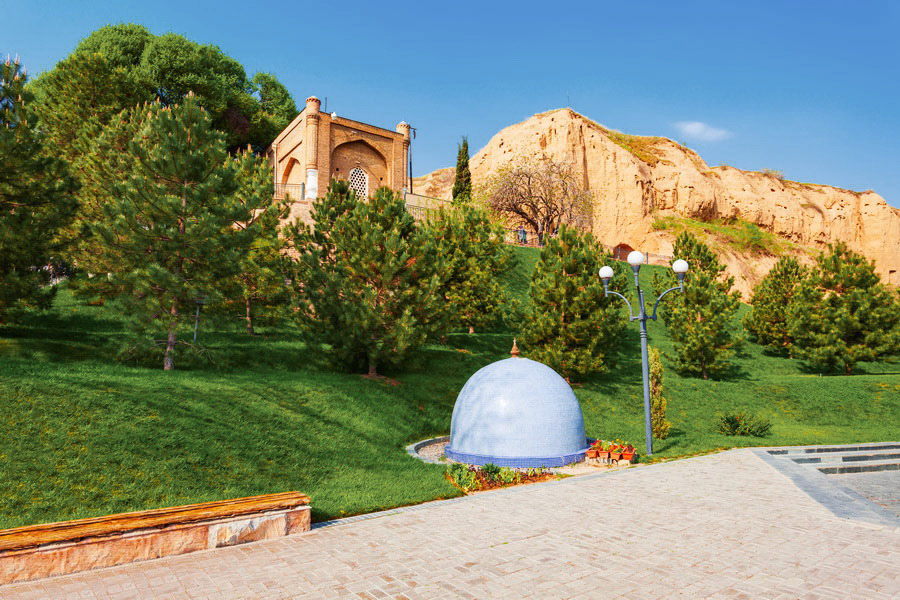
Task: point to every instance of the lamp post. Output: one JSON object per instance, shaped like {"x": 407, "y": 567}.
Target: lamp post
{"x": 635, "y": 259}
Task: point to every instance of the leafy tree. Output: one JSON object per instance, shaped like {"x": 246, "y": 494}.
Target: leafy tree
{"x": 542, "y": 194}
{"x": 169, "y": 218}
{"x": 699, "y": 320}
{"x": 472, "y": 254}
{"x": 166, "y": 68}
{"x": 772, "y": 298}
{"x": 659, "y": 424}
{"x": 259, "y": 284}
{"x": 572, "y": 327}
{"x": 35, "y": 199}
{"x": 843, "y": 313}
{"x": 366, "y": 292}
{"x": 462, "y": 184}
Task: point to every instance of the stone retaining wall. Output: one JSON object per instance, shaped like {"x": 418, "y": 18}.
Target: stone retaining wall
{"x": 38, "y": 551}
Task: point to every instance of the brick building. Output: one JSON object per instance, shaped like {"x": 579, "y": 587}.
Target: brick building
{"x": 317, "y": 147}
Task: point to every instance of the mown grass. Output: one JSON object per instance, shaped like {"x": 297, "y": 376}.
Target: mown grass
{"x": 82, "y": 435}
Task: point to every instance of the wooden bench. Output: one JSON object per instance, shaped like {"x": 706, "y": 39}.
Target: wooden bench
{"x": 37, "y": 551}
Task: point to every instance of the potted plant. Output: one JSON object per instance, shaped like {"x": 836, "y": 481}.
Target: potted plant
{"x": 595, "y": 450}
{"x": 628, "y": 453}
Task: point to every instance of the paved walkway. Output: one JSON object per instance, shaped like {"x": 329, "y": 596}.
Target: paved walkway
{"x": 723, "y": 526}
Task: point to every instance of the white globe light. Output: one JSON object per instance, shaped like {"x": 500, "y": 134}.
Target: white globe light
{"x": 680, "y": 266}
{"x": 606, "y": 272}
{"x": 635, "y": 258}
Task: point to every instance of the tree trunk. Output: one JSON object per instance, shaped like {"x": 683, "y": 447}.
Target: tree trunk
{"x": 169, "y": 359}
{"x": 847, "y": 368}
{"x": 249, "y": 319}
{"x": 373, "y": 372}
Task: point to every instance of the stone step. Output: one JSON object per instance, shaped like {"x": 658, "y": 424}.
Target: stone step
{"x": 860, "y": 468}
{"x": 846, "y": 457}
{"x": 883, "y": 446}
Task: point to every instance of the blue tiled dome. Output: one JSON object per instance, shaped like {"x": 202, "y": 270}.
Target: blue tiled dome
{"x": 517, "y": 413}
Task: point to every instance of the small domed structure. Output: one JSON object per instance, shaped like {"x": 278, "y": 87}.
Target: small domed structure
{"x": 517, "y": 413}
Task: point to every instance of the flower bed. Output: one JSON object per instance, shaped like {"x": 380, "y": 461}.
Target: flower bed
{"x": 470, "y": 478}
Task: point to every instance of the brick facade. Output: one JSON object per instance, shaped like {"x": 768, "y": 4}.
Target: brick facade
{"x": 317, "y": 147}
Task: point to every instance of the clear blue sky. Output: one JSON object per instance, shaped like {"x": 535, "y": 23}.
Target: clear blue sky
{"x": 807, "y": 87}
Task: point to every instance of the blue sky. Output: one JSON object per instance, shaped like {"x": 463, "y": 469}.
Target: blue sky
{"x": 808, "y": 88}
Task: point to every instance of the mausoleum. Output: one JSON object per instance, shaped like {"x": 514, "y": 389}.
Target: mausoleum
{"x": 317, "y": 147}
{"x": 517, "y": 413}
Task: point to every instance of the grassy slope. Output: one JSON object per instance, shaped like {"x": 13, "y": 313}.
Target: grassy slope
{"x": 82, "y": 435}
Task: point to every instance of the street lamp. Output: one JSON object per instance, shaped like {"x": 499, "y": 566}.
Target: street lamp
{"x": 636, "y": 259}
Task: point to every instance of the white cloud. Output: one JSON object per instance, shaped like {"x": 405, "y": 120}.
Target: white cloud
{"x": 698, "y": 130}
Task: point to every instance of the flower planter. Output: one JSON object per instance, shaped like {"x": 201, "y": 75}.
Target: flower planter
{"x": 629, "y": 456}
{"x": 591, "y": 453}
{"x": 615, "y": 455}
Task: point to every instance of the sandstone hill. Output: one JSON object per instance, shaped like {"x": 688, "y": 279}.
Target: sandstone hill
{"x": 647, "y": 189}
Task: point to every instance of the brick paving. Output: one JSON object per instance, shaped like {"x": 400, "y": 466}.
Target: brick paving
{"x": 881, "y": 487}
{"x": 722, "y": 526}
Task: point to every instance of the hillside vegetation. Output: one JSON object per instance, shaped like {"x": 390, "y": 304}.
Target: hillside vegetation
{"x": 83, "y": 435}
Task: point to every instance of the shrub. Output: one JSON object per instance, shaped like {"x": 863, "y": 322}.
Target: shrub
{"x": 491, "y": 471}
{"x": 462, "y": 476}
{"x": 509, "y": 476}
{"x": 744, "y": 424}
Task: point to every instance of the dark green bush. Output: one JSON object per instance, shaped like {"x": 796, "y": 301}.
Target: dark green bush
{"x": 491, "y": 472}
{"x": 744, "y": 424}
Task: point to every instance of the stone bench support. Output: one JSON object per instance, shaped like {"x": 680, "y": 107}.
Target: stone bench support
{"x": 38, "y": 551}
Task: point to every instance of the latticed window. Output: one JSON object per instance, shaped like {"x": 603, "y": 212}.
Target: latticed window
{"x": 359, "y": 182}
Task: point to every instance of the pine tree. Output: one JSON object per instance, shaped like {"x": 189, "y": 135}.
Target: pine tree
{"x": 366, "y": 292}
{"x": 35, "y": 200}
{"x": 472, "y": 254}
{"x": 75, "y": 102}
{"x": 572, "y": 327}
{"x": 169, "y": 221}
{"x": 259, "y": 285}
{"x": 843, "y": 313}
{"x": 699, "y": 320}
{"x": 660, "y": 425}
{"x": 772, "y": 297}
{"x": 462, "y": 184}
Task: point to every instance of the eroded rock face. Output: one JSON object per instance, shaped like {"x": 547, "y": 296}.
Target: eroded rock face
{"x": 669, "y": 179}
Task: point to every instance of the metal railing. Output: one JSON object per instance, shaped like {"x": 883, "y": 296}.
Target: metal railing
{"x": 297, "y": 191}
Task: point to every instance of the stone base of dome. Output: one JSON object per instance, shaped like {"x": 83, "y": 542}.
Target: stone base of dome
{"x": 515, "y": 462}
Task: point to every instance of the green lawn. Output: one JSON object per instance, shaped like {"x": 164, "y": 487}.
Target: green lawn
{"x": 83, "y": 435}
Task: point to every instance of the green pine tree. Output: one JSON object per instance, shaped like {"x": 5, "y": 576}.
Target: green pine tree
{"x": 699, "y": 320}
{"x": 462, "y": 184}
{"x": 472, "y": 255}
{"x": 259, "y": 284}
{"x": 772, "y": 297}
{"x": 366, "y": 292}
{"x": 35, "y": 200}
{"x": 843, "y": 313}
{"x": 169, "y": 219}
{"x": 659, "y": 424}
{"x": 571, "y": 326}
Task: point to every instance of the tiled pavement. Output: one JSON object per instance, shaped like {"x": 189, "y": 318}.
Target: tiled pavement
{"x": 722, "y": 526}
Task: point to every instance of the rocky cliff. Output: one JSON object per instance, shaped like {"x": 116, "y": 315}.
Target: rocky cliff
{"x": 641, "y": 184}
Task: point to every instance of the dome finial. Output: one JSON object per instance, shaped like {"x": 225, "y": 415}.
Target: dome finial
{"x": 515, "y": 349}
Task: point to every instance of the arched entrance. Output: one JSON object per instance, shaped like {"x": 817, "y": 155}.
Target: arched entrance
{"x": 621, "y": 251}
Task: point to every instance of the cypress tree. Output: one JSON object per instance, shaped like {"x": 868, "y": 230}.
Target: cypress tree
{"x": 571, "y": 326}
{"x": 772, "y": 298}
{"x": 462, "y": 184}
{"x": 367, "y": 295}
{"x": 843, "y": 313}
{"x": 699, "y": 320}
{"x": 168, "y": 224}
{"x": 659, "y": 424}
{"x": 35, "y": 200}
{"x": 472, "y": 255}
